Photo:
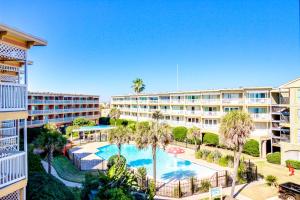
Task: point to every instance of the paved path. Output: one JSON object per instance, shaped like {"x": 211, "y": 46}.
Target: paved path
{"x": 54, "y": 173}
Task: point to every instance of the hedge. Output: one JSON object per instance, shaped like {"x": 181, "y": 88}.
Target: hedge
{"x": 211, "y": 139}
{"x": 179, "y": 133}
{"x": 113, "y": 159}
{"x": 274, "y": 158}
{"x": 120, "y": 122}
{"x": 294, "y": 163}
{"x": 251, "y": 148}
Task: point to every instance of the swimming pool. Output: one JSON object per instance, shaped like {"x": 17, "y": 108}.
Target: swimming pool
{"x": 168, "y": 167}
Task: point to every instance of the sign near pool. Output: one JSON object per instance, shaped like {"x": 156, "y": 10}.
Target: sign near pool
{"x": 215, "y": 192}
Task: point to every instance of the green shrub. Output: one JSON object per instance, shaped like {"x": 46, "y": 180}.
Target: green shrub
{"x": 223, "y": 161}
{"x": 113, "y": 159}
{"x": 44, "y": 186}
{"x": 119, "y": 122}
{"x": 251, "y": 148}
{"x": 34, "y": 163}
{"x": 198, "y": 154}
{"x": 210, "y": 157}
{"x": 204, "y": 186}
{"x": 230, "y": 160}
{"x": 271, "y": 180}
{"x": 177, "y": 192}
{"x": 205, "y": 153}
{"x": 216, "y": 156}
{"x": 152, "y": 189}
{"x": 118, "y": 194}
{"x": 211, "y": 139}
{"x": 294, "y": 163}
{"x": 179, "y": 133}
{"x": 274, "y": 158}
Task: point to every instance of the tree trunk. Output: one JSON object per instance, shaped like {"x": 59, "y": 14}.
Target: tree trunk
{"x": 137, "y": 111}
{"x": 196, "y": 146}
{"x": 154, "y": 162}
{"x": 49, "y": 159}
{"x": 119, "y": 153}
{"x": 237, "y": 156}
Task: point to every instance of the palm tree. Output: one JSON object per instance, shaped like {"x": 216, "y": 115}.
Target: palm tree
{"x": 115, "y": 114}
{"x": 50, "y": 140}
{"x": 194, "y": 133}
{"x": 157, "y": 115}
{"x": 119, "y": 136}
{"x": 138, "y": 86}
{"x": 236, "y": 126}
{"x": 154, "y": 135}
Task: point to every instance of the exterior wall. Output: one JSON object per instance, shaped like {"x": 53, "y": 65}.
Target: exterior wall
{"x": 61, "y": 109}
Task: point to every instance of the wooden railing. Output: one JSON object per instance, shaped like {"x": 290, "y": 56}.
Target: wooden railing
{"x": 13, "y": 97}
{"x": 12, "y": 168}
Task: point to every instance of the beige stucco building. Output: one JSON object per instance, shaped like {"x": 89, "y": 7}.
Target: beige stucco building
{"x": 275, "y": 111}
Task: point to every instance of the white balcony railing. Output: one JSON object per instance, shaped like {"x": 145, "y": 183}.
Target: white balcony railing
{"x": 233, "y": 101}
{"x": 193, "y": 112}
{"x": 192, "y": 101}
{"x": 178, "y": 112}
{"x": 13, "y": 168}
{"x": 210, "y": 101}
{"x": 177, "y": 101}
{"x": 258, "y": 101}
{"x": 212, "y": 113}
{"x": 9, "y": 143}
{"x": 13, "y": 97}
{"x": 263, "y": 116}
{"x": 164, "y": 101}
{"x": 210, "y": 126}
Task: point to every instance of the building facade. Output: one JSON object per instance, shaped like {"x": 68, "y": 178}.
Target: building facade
{"x": 275, "y": 111}
{"x": 13, "y": 110}
{"x": 61, "y": 109}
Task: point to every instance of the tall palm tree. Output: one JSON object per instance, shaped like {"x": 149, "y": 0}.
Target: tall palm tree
{"x": 153, "y": 135}
{"x": 118, "y": 136}
{"x": 236, "y": 126}
{"x": 195, "y": 133}
{"x": 138, "y": 86}
{"x": 50, "y": 140}
{"x": 115, "y": 114}
{"x": 157, "y": 115}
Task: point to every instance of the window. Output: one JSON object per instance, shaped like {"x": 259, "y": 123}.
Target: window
{"x": 227, "y": 109}
{"x": 257, "y": 110}
{"x": 231, "y": 96}
{"x": 257, "y": 95}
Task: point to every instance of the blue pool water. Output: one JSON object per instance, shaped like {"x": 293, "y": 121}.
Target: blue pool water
{"x": 94, "y": 128}
{"x": 168, "y": 167}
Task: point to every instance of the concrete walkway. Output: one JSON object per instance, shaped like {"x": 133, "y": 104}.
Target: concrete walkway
{"x": 54, "y": 173}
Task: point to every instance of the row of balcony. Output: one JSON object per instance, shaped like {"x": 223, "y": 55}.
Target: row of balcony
{"x": 58, "y": 120}
{"x": 13, "y": 97}
{"x": 55, "y": 111}
{"x": 263, "y": 116}
{"x": 38, "y": 101}
{"x": 233, "y": 101}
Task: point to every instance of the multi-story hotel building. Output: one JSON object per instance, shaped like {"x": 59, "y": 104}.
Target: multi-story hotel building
{"x": 275, "y": 111}
{"x": 61, "y": 109}
{"x": 13, "y": 109}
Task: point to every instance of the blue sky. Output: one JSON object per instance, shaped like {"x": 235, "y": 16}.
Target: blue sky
{"x": 99, "y": 47}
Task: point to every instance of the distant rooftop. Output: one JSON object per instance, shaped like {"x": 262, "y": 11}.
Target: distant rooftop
{"x": 59, "y": 94}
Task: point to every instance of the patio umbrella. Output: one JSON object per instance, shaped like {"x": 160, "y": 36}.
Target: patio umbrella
{"x": 175, "y": 151}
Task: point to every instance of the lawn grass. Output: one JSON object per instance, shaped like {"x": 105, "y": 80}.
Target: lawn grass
{"x": 66, "y": 170}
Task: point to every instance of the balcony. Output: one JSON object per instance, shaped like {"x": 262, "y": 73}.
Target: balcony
{"x": 13, "y": 97}
{"x": 260, "y": 116}
{"x": 210, "y": 101}
{"x": 193, "y": 112}
{"x": 164, "y": 101}
{"x": 35, "y": 101}
{"x": 258, "y": 101}
{"x": 212, "y": 113}
{"x": 233, "y": 101}
{"x": 153, "y": 101}
{"x": 13, "y": 168}
{"x": 192, "y": 101}
{"x": 8, "y": 52}
{"x": 210, "y": 126}
{"x": 177, "y": 101}
{"x": 178, "y": 112}
{"x": 9, "y": 143}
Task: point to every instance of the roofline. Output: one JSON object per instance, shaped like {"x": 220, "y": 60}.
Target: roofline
{"x": 28, "y": 37}
{"x": 61, "y": 94}
{"x": 290, "y": 82}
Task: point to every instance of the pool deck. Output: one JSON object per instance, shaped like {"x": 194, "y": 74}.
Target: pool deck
{"x": 88, "y": 151}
